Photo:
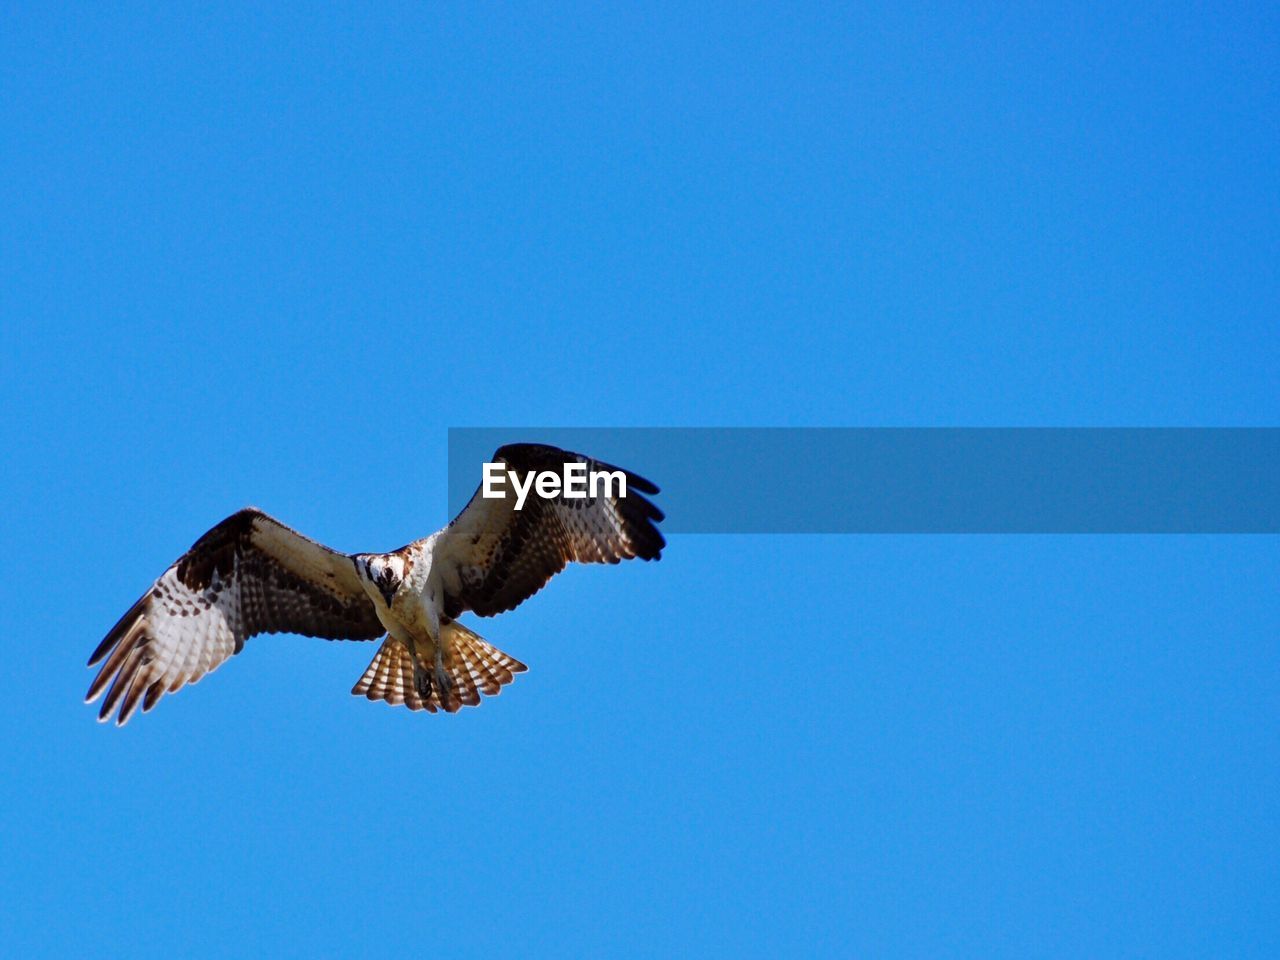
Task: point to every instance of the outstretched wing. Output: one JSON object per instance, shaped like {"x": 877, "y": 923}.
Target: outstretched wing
{"x": 495, "y": 557}
{"x": 248, "y": 575}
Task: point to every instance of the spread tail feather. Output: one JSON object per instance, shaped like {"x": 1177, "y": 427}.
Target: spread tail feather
{"x": 474, "y": 667}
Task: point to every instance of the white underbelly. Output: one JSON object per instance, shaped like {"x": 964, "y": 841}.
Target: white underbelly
{"x": 411, "y": 616}
{"x": 395, "y": 626}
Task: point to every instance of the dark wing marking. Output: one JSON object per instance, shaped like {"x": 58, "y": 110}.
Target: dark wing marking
{"x": 248, "y": 575}
{"x": 497, "y": 557}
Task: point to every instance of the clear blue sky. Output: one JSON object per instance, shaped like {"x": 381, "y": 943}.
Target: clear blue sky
{"x": 270, "y": 256}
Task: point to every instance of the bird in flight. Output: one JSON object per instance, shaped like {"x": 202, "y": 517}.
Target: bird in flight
{"x": 251, "y": 574}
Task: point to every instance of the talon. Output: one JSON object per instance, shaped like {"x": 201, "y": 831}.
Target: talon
{"x": 444, "y": 683}
{"x": 422, "y": 682}
{"x": 444, "y": 688}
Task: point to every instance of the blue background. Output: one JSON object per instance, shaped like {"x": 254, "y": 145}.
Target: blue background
{"x": 270, "y": 256}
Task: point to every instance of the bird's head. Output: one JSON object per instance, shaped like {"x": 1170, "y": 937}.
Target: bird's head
{"x": 381, "y": 570}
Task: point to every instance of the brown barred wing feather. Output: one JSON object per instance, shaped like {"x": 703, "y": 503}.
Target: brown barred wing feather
{"x": 249, "y": 575}
{"x": 499, "y": 556}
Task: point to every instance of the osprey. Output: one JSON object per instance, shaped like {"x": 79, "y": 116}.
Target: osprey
{"x": 251, "y": 574}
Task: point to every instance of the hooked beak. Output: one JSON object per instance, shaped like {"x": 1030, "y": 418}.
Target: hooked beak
{"x": 387, "y": 587}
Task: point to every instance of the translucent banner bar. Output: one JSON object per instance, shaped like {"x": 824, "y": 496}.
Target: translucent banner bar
{"x": 926, "y": 480}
